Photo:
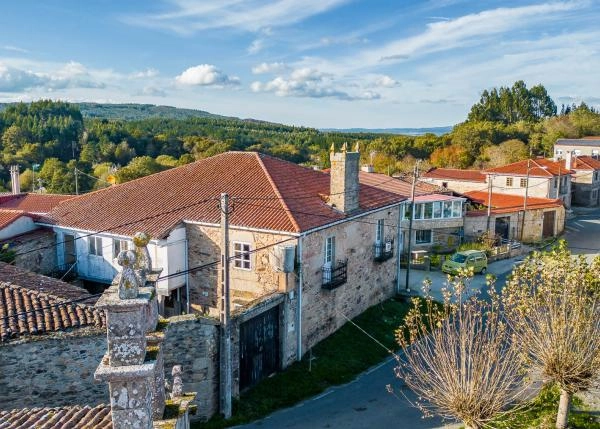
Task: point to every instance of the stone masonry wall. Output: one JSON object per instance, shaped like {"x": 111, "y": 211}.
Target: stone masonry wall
{"x": 37, "y": 249}
{"x": 193, "y": 343}
{"x": 368, "y": 283}
{"x": 53, "y": 370}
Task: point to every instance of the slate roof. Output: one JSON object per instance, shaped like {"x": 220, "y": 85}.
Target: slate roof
{"x": 73, "y": 417}
{"x": 455, "y": 174}
{"x": 266, "y": 193}
{"x": 539, "y": 167}
{"x": 583, "y": 162}
{"x": 34, "y": 304}
{"x": 592, "y": 141}
{"x": 506, "y": 203}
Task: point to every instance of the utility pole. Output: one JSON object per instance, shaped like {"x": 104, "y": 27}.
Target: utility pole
{"x": 489, "y": 203}
{"x": 525, "y": 200}
{"x": 76, "y": 183}
{"x": 410, "y": 222}
{"x": 559, "y": 180}
{"x": 225, "y": 311}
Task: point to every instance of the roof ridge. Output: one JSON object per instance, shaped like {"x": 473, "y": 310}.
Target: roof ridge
{"x": 276, "y": 190}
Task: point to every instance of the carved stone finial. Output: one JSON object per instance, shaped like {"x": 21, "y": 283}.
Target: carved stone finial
{"x": 177, "y": 389}
{"x": 332, "y": 148}
{"x": 129, "y": 283}
{"x": 345, "y": 147}
{"x": 143, "y": 264}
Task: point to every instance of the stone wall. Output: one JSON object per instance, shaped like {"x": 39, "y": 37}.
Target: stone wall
{"x": 368, "y": 282}
{"x": 193, "y": 343}
{"x": 37, "y": 250}
{"x": 52, "y": 370}
{"x": 584, "y": 195}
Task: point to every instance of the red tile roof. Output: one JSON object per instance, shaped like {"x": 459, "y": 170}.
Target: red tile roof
{"x": 583, "y": 162}
{"x": 455, "y": 174}
{"x": 34, "y": 304}
{"x": 9, "y": 216}
{"x": 397, "y": 185}
{"x": 32, "y": 203}
{"x": 505, "y": 203}
{"x": 539, "y": 167}
{"x": 73, "y": 417}
{"x": 266, "y": 193}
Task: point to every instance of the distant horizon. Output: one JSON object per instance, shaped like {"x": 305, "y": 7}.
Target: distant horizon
{"x": 312, "y": 63}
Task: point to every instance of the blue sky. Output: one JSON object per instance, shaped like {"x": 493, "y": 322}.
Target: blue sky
{"x": 320, "y": 63}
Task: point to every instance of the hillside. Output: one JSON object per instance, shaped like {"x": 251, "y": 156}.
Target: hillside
{"x": 135, "y": 112}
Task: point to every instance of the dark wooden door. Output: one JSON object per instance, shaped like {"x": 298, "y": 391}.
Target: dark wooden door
{"x": 259, "y": 347}
{"x": 502, "y": 224}
{"x": 548, "y": 229}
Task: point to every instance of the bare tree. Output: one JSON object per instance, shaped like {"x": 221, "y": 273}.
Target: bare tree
{"x": 552, "y": 302}
{"x": 465, "y": 367}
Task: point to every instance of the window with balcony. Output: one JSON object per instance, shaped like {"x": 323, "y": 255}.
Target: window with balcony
{"x": 383, "y": 250}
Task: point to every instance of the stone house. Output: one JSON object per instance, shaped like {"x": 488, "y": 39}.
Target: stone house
{"x": 542, "y": 217}
{"x": 455, "y": 179}
{"x": 309, "y": 248}
{"x": 585, "y": 179}
{"x": 587, "y": 146}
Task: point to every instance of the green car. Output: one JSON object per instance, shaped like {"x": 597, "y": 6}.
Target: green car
{"x": 465, "y": 259}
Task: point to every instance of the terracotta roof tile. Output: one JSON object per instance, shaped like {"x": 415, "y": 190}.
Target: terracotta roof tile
{"x": 9, "y": 216}
{"x": 33, "y": 304}
{"x": 32, "y": 203}
{"x": 540, "y": 167}
{"x": 397, "y": 185}
{"x": 455, "y": 174}
{"x": 583, "y": 162}
{"x": 266, "y": 192}
{"x": 73, "y": 417}
{"x": 505, "y": 203}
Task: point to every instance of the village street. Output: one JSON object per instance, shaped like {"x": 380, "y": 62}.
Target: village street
{"x": 583, "y": 232}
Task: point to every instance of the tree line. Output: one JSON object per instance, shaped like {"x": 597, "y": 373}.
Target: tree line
{"x": 56, "y": 146}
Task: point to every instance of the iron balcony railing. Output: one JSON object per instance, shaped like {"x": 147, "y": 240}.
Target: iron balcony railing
{"x": 383, "y": 251}
{"x": 335, "y": 275}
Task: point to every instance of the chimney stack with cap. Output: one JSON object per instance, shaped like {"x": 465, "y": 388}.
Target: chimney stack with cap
{"x": 15, "y": 179}
{"x": 344, "y": 185}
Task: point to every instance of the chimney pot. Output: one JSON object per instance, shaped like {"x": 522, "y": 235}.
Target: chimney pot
{"x": 569, "y": 160}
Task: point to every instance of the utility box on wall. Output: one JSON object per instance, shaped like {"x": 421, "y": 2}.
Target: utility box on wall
{"x": 283, "y": 258}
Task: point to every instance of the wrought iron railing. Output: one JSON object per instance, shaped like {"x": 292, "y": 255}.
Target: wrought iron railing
{"x": 383, "y": 251}
{"x": 335, "y": 275}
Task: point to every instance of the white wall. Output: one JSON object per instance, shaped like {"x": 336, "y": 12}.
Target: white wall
{"x": 20, "y": 226}
{"x": 171, "y": 257}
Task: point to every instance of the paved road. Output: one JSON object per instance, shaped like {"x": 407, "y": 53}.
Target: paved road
{"x": 583, "y": 233}
{"x": 365, "y": 402}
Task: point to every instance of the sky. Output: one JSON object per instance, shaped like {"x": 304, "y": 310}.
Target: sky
{"x": 317, "y": 63}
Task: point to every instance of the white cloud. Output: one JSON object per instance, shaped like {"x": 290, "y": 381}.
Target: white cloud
{"x": 15, "y": 49}
{"x": 205, "y": 75}
{"x": 385, "y": 81}
{"x": 269, "y": 68}
{"x": 190, "y": 16}
{"x": 144, "y": 74}
{"x": 15, "y": 80}
{"x": 310, "y": 82}
{"x": 256, "y": 46}
{"x": 151, "y": 91}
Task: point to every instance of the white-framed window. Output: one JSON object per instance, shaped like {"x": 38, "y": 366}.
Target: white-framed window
{"x": 437, "y": 210}
{"x": 457, "y": 209}
{"x": 523, "y": 182}
{"x": 423, "y": 236}
{"x": 329, "y": 250}
{"x": 559, "y": 152}
{"x": 118, "y": 246}
{"x": 379, "y": 231}
{"x": 95, "y": 246}
{"x": 241, "y": 256}
{"x": 509, "y": 181}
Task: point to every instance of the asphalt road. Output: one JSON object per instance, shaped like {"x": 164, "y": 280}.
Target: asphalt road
{"x": 366, "y": 402}
{"x": 583, "y": 233}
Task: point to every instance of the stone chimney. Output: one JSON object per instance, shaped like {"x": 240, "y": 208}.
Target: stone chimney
{"x": 15, "y": 179}
{"x": 367, "y": 168}
{"x": 569, "y": 160}
{"x": 344, "y": 185}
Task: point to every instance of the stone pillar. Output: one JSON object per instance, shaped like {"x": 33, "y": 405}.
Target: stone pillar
{"x": 125, "y": 367}
{"x": 143, "y": 263}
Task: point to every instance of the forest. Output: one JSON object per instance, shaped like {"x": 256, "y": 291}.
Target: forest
{"x": 61, "y": 150}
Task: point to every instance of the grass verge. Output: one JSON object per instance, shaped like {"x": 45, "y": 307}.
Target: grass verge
{"x": 336, "y": 360}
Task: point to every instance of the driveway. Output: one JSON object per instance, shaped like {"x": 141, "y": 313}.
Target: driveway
{"x": 366, "y": 402}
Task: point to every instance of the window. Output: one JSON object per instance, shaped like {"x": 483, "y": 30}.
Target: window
{"x": 457, "y": 209}
{"x": 437, "y": 210}
{"x": 427, "y": 210}
{"x": 447, "y": 209}
{"x": 329, "y": 250}
{"x": 523, "y": 183}
{"x": 559, "y": 152}
{"x": 95, "y": 246}
{"x": 595, "y": 153}
{"x": 509, "y": 181}
{"x": 241, "y": 255}
{"x": 423, "y": 236}
{"x": 418, "y": 211}
{"x": 444, "y": 184}
{"x": 118, "y": 246}
{"x": 379, "y": 231}
{"x": 405, "y": 211}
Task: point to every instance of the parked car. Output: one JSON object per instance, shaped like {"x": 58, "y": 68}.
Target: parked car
{"x": 465, "y": 259}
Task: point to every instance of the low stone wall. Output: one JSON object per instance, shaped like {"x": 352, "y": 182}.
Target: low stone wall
{"x": 52, "y": 370}
{"x": 193, "y": 343}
